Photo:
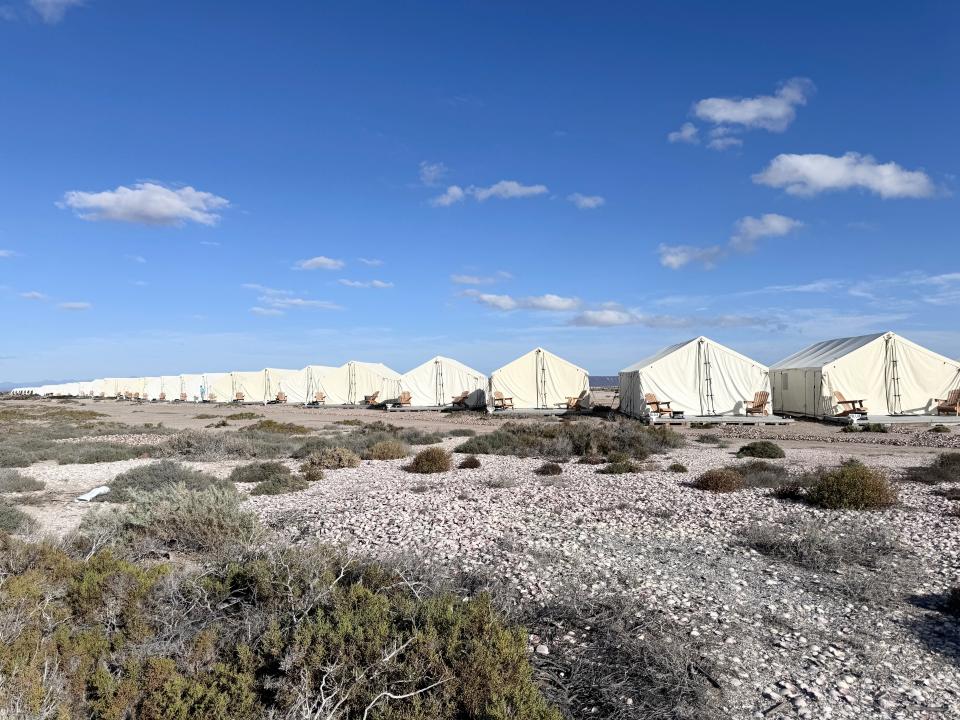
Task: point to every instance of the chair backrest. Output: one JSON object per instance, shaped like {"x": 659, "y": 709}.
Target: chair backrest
{"x": 953, "y": 397}
{"x": 405, "y": 397}
{"x": 650, "y": 398}
{"x": 320, "y": 397}
{"x": 497, "y": 395}
{"x": 760, "y": 398}
{"x": 240, "y": 396}
{"x": 839, "y": 396}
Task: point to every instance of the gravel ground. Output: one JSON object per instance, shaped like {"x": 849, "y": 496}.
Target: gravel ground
{"x": 779, "y": 633}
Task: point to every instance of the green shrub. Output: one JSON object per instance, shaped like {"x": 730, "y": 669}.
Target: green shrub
{"x": 100, "y": 452}
{"x": 387, "y": 450}
{"x": 205, "y": 446}
{"x": 945, "y": 468}
{"x": 549, "y": 468}
{"x": 14, "y": 457}
{"x": 310, "y": 472}
{"x": 462, "y": 432}
{"x": 720, "y": 480}
{"x": 278, "y": 428}
{"x": 334, "y": 458}
{"x": 709, "y": 439}
{"x": 866, "y": 427}
{"x": 621, "y": 467}
{"x": 12, "y": 481}
{"x": 431, "y": 460}
{"x": 677, "y": 467}
{"x": 940, "y": 429}
{"x": 816, "y": 546}
{"x": 703, "y": 425}
{"x": 592, "y": 460}
{"x": 281, "y": 484}
{"x": 244, "y": 416}
{"x": 761, "y": 449}
{"x": 205, "y": 416}
{"x": 159, "y": 476}
{"x": 218, "y": 424}
{"x": 471, "y": 462}
{"x": 851, "y": 486}
{"x": 14, "y": 520}
{"x": 259, "y": 472}
{"x": 760, "y": 474}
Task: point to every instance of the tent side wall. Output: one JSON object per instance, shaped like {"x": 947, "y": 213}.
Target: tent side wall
{"x": 251, "y": 385}
{"x": 539, "y": 379}
{"x": 294, "y": 384}
{"x": 218, "y": 387}
{"x": 170, "y": 387}
{"x": 193, "y": 386}
{"x": 152, "y": 388}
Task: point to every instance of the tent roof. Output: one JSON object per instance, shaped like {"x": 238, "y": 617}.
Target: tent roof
{"x": 670, "y": 349}
{"x": 826, "y": 352}
{"x": 545, "y": 352}
{"x": 447, "y": 361}
{"x": 377, "y": 367}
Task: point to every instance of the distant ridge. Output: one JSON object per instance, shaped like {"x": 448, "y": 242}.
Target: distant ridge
{"x": 599, "y": 381}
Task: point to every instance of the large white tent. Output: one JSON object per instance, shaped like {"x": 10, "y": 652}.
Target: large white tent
{"x": 250, "y": 386}
{"x": 193, "y": 387}
{"x": 293, "y": 384}
{"x": 110, "y": 387}
{"x": 350, "y": 383}
{"x": 219, "y": 387}
{"x": 315, "y": 380}
{"x": 890, "y": 374}
{"x": 170, "y": 387}
{"x": 540, "y": 379}
{"x": 152, "y": 387}
{"x": 698, "y": 377}
{"x": 437, "y": 381}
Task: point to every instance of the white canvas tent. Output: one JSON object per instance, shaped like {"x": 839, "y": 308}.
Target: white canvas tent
{"x": 194, "y": 387}
{"x": 699, "y": 377}
{"x": 350, "y": 383}
{"x": 108, "y": 386}
{"x": 540, "y": 379}
{"x": 437, "y": 381}
{"x": 251, "y": 385}
{"x": 152, "y": 387}
{"x": 170, "y": 387}
{"x": 218, "y": 387}
{"x": 316, "y": 380}
{"x": 890, "y": 374}
{"x": 294, "y": 384}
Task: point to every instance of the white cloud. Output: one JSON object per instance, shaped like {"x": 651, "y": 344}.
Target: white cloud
{"x": 472, "y": 280}
{"x": 320, "y": 262}
{"x": 750, "y": 229}
{"x": 768, "y": 112}
{"x": 265, "y": 290}
{"x": 453, "y": 194}
{"x": 74, "y": 306}
{"x": 548, "y": 302}
{"x": 52, "y": 11}
{"x": 33, "y": 295}
{"x": 723, "y": 142}
{"x": 372, "y": 262}
{"x": 677, "y": 256}
{"x": 284, "y": 301}
{"x": 604, "y": 318}
{"x": 266, "y": 312}
{"x": 687, "y": 133}
{"x": 586, "y": 202}
{"x": 365, "y": 284}
{"x": 814, "y": 173}
{"x": 553, "y": 303}
{"x": 7, "y": 253}
{"x": 432, "y": 173}
{"x": 210, "y": 243}
{"x": 506, "y": 189}
{"x": 147, "y": 204}
{"x": 611, "y": 317}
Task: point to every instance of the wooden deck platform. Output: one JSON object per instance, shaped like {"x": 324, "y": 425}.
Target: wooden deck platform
{"x": 722, "y": 420}
{"x": 951, "y": 420}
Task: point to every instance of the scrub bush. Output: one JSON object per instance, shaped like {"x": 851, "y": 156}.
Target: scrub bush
{"x": 851, "y": 486}
{"x": 431, "y": 460}
{"x": 160, "y": 476}
{"x": 761, "y": 449}
{"x": 471, "y": 462}
{"x": 721, "y": 480}
{"x": 549, "y": 468}
{"x": 259, "y": 472}
{"x": 387, "y": 450}
{"x": 13, "y": 481}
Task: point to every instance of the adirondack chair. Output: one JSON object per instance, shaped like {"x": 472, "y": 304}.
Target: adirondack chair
{"x": 239, "y": 397}
{"x": 371, "y": 399}
{"x": 657, "y": 407}
{"x": 950, "y": 405}
{"x": 281, "y": 397}
{"x": 758, "y": 406}
{"x": 574, "y": 403}
{"x": 162, "y": 397}
{"x": 320, "y": 398}
{"x": 211, "y": 397}
{"x": 500, "y": 402}
{"x": 461, "y": 399}
{"x": 183, "y": 397}
{"x": 849, "y": 407}
{"x": 405, "y": 398}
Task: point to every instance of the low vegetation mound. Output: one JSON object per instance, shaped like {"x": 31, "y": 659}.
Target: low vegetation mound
{"x": 865, "y": 427}
{"x": 583, "y": 438}
{"x": 208, "y": 446}
{"x": 940, "y": 429}
{"x": 851, "y": 486}
{"x": 13, "y": 520}
{"x": 946, "y": 468}
{"x": 250, "y": 630}
{"x": 471, "y": 462}
{"x": 549, "y": 468}
{"x": 158, "y": 476}
{"x": 259, "y": 472}
{"x": 431, "y": 460}
{"x": 12, "y": 481}
{"x": 387, "y": 450}
{"x": 721, "y": 480}
{"x": 816, "y": 546}
{"x": 462, "y": 432}
{"x": 281, "y": 485}
{"x": 677, "y": 467}
{"x": 761, "y": 449}
{"x": 279, "y": 428}
{"x": 244, "y": 416}
{"x": 334, "y": 458}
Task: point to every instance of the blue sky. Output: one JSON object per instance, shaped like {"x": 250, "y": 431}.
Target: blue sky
{"x": 187, "y": 187}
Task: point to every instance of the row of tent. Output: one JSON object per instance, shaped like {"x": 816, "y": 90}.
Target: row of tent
{"x": 888, "y": 373}
{"x": 537, "y": 379}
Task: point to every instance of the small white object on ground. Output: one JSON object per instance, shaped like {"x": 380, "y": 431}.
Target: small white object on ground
{"x": 88, "y": 496}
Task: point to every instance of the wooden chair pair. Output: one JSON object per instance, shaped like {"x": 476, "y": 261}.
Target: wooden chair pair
{"x": 320, "y": 398}
{"x": 371, "y": 399}
{"x": 460, "y": 400}
{"x": 405, "y": 398}
{"x": 281, "y": 397}
{"x": 500, "y": 402}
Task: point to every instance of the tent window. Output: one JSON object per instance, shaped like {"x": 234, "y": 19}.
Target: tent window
{"x": 784, "y": 384}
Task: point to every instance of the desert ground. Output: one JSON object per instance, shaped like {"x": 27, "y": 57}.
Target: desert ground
{"x": 865, "y": 633}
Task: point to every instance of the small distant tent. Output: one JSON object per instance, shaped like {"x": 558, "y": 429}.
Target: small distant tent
{"x": 698, "y": 377}
{"x": 219, "y": 387}
{"x": 540, "y": 379}
{"x": 170, "y": 387}
{"x": 194, "y": 387}
{"x": 294, "y": 385}
{"x": 251, "y": 385}
{"x": 890, "y": 374}
{"x": 350, "y": 383}
{"x": 437, "y": 381}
